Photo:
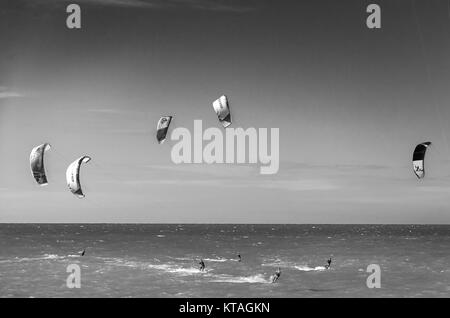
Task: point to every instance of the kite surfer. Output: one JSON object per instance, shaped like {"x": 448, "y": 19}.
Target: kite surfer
{"x": 276, "y": 276}
{"x": 329, "y": 263}
{"x": 202, "y": 265}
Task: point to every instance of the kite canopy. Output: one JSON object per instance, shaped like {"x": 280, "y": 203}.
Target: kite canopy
{"x": 163, "y": 128}
{"x": 222, "y": 109}
{"x": 419, "y": 159}
{"x": 37, "y": 163}
{"x": 73, "y": 176}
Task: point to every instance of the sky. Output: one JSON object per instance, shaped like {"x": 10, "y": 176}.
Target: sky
{"x": 350, "y": 103}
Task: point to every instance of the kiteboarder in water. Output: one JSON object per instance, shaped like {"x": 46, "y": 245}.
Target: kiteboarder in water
{"x": 202, "y": 265}
{"x": 82, "y": 253}
{"x": 329, "y": 263}
{"x": 276, "y": 276}
{"x": 239, "y": 258}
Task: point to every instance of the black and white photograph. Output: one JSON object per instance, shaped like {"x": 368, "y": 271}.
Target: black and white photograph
{"x": 224, "y": 149}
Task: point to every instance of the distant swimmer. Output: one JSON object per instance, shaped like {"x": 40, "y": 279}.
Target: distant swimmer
{"x": 202, "y": 265}
{"x": 239, "y": 258}
{"x": 329, "y": 263}
{"x": 276, "y": 276}
{"x": 82, "y": 253}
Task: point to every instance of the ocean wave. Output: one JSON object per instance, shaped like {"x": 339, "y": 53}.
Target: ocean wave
{"x": 258, "y": 279}
{"x": 183, "y": 258}
{"x": 278, "y": 263}
{"x": 165, "y": 267}
{"x": 52, "y": 256}
{"x": 220, "y": 260}
{"x": 284, "y": 264}
{"x": 30, "y": 259}
{"x": 309, "y": 269}
{"x": 196, "y": 259}
{"x": 175, "y": 269}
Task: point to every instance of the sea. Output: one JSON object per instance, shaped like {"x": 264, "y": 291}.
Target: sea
{"x": 162, "y": 260}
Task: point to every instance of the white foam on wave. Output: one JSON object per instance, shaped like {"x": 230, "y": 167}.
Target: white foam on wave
{"x": 4, "y": 261}
{"x": 254, "y": 279}
{"x": 52, "y": 256}
{"x": 30, "y": 259}
{"x": 164, "y": 267}
{"x": 220, "y": 260}
{"x": 284, "y": 264}
{"x": 309, "y": 269}
{"x": 175, "y": 269}
{"x": 196, "y": 259}
{"x": 183, "y": 258}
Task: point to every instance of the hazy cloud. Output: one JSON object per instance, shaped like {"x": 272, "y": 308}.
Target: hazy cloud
{"x": 176, "y": 182}
{"x": 215, "y": 170}
{"x": 104, "y": 111}
{"x": 130, "y": 131}
{"x": 5, "y": 92}
{"x": 300, "y": 185}
{"x": 349, "y": 166}
{"x": 435, "y": 189}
